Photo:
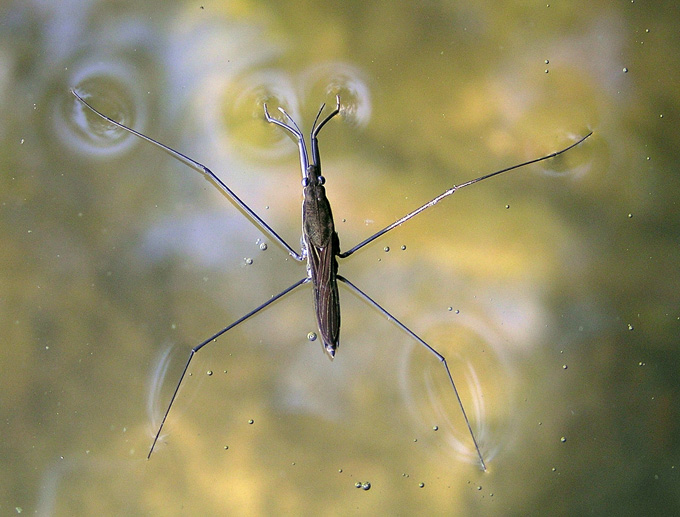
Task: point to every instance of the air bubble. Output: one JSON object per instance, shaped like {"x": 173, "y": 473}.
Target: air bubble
{"x": 311, "y": 336}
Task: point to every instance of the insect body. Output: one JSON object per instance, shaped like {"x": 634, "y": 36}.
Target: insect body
{"x": 320, "y": 245}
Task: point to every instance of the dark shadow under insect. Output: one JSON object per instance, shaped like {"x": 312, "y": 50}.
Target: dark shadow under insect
{"x": 320, "y": 245}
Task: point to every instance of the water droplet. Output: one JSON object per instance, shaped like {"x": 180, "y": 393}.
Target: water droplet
{"x": 435, "y": 428}
{"x": 251, "y": 421}
{"x": 248, "y": 261}
{"x": 625, "y": 70}
{"x": 386, "y": 248}
{"x": 357, "y": 484}
{"x": 226, "y": 447}
{"x": 366, "y": 485}
{"x": 630, "y": 327}
{"x": 507, "y": 207}
{"x": 311, "y": 336}
{"x": 547, "y": 71}
{"x": 421, "y": 485}
{"x": 403, "y": 247}
{"x": 263, "y": 246}
{"x": 630, "y": 216}
{"x": 479, "y": 487}
{"x": 564, "y": 366}
{"x": 547, "y": 61}
{"x": 209, "y": 372}
{"x": 563, "y": 439}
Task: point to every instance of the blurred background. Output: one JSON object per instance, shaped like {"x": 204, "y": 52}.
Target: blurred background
{"x": 552, "y": 290}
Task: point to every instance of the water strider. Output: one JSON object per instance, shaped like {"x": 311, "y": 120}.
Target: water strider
{"x": 320, "y": 245}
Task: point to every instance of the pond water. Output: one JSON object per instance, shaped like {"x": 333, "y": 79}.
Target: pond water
{"x": 551, "y": 290}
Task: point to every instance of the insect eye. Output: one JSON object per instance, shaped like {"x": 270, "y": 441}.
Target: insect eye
{"x": 321, "y": 180}
{"x": 305, "y": 182}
